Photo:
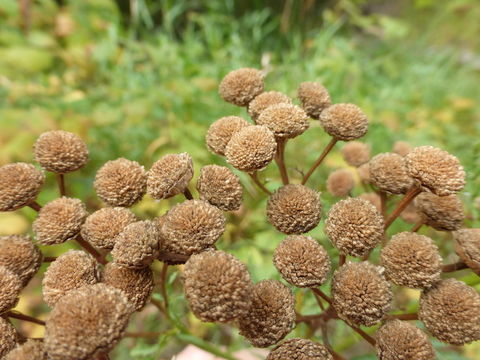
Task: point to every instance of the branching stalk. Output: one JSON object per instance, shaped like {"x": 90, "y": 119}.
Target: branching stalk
{"x": 90, "y": 249}
{"x": 454, "y": 267}
{"x": 406, "y": 200}
{"x": 18, "y": 315}
{"x": 255, "y": 179}
{"x": 317, "y": 163}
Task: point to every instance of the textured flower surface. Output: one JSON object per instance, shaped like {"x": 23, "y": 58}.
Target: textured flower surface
{"x": 284, "y": 120}
{"x": 265, "y": 100}
{"x": 340, "y": 183}
{"x": 299, "y": 349}
{"x": 356, "y": 153}
{"x": 221, "y": 131}
{"x": 344, "y": 121}
{"x": 20, "y": 184}
{"x": 444, "y": 213}
{"x": 10, "y": 285}
{"x": 388, "y": 173}
{"x": 314, "y": 98}
{"x": 467, "y": 246}
{"x": 241, "y": 86}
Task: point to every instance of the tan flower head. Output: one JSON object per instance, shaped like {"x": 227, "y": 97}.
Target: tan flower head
{"x": 364, "y": 172}
{"x": 411, "y": 214}
{"x": 286, "y": 121}
{"x": 20, "y": 184}
{"x": 374, "y": 198}
{"x": 30, "y": 350}
{"x": 314, "y": 98}
{"x": 444, "y": 213}
{"x": 8, "y": 337}
{"x": 356, "y": 153}
{"x": 467, "y": 246}
{"x": 299, "y": 349}
{"x": 401, "y": 148}
{"x": 265, "y": 100}
{"x": 241, "y": 86}
{"x": 10, "y": 285}
{"x": 388, "y": 173}
{"x": 221, "y": 131}
{"x": 340, "y": 182}
{"x": 344, "y": 121}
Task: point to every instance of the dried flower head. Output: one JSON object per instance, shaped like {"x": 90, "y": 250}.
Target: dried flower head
{"x": 59, "y": 221}
{"x": 360, "y": 293}
{"x": 169, "y": 176}
{"x": 450, "y": 310}
{"x": 191, "y": 227}
{"x": 299, "y": 349}
{"x": 302, "y": 261}
{"x": 19, "y": 255}
{"x": 294, "y": 209}
{"x": 411, "y": 260}
{"x": 10, "y": 285}
{"x": 265, "y": 100}
{"x": 285, "y": 120}
{"x": 401, "y": 148}
{"x": 221, "y": 131}
{"x": 340, "y": 182}
{"x": 60, "y": 151}
{"x": 251, "y": 148}
{"x": 373, "y": 198}
{"x": 68, "y": 272}
{"x": 8, "y": 337}
{"x": 220, "y": 187}
{"x": 86, "y": 322}
{"x": 344, "y": 121}
{"x": 137, "y": 245}
{"x": 388, "y": 173}
{"x": 314, "y": 98}
{"x": 467, "y": 246}
{"x": 121, "y": 182}
{"x": 20, "y": 184}
{"x": 364, "y": 172}
{"x": 103, "y": 226}
{"x": 30, "y": 350}
{"x": 400, "y": 340}
{"x": 354, "y": 226}
{"x": 217, "y": 286}
{"x": 356, "y": 153}
{"x": 444, "y": 213}
{"x": 436, "y": 170}
{"x": 271, "y": 315}
{"x": 411, "y": 214}
{"x": 136, "y": 284}
{"x": 241, "y": 86}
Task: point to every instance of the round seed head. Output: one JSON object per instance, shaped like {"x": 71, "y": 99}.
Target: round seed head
{"x": 19, "y": 255}
{"x": 450, "y": 310}
{"x": 436, "y": 170}
{"x": 137, "y": 285}
{"x": 217, "y": 286}
{"x": 374, "y": 198}
{"x": 314, "y": 98}
{"x": 220, "y": 187}
{"x": 401, "y": 148}
{"x": 344, "y": 121}
{"x": 121, "y": 182}
{"x": 401, "y": 340}
{"x": 302, "y": 261}
{"x": 221, "y": 131}
{"x": 285, "y": 120}
{"x": 20, "y": 184}
{"x": 86, "y": 322}
{"x": 10, "y": 285}
{"x": 388, "y": 173}
{"x": 68, "y": 272}
{"x": 411, "y": 260}
{"x": 137, "y": 245}
{"x": 191, "y": 227}
{"x": 299, "y": 349}
{"x": 8, "y": 337}
{"x": 251, "y": 149}
{"x": 411, "y": 214}
{"x": 59, "y": 221}
{"x": 354, "y": 226}
{"x": 444, "y": 213}
{"x": 467, "y": 246}
{"x": 265, "y": 100}
{"x": 356, "y": 153}
{"x": 340, "y": 183}
{"x": 60, "y": 151}
{"x": 103, "y": 226}
{"x": 364, "y": 172}
{"x": 169, "y": 176}
{"x": 294, "y": 209}
{"x": 271, "y": 315}
{"x": 360, "y": 293}
{"x": 29, "y": 350}
{"x": 241, "y": 86}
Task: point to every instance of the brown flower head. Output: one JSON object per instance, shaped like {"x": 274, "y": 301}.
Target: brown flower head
{"x": 59, "y": 221}
{"x": 8, "y": 337}
{"x": 121, "y": 182}
{"x": 411, "y": 214}
{"x": 388, "y": 173}
{"x": 314, "y": 98}
{"x": 30, "y": 350}
{"x": 271, "y": 315}
{"x": 356, "y": 153}
{"x": 344, "y": 121}
{"x": 364, "y": 172}
{"x": 285, "y": 120}
{"x": 221, "y": 131}
{"x": 450, "y": 310}
{"x": 374, "y": 198}
{"x": 444, "y": 213}
{"x": 60, "y": 151}
{"x": 467, "y": 246}
{"x": 265, "y": 100}
{"x": 299, "y": 349}
{"x": 10, "y": 285}
{"x": 401, "y": 148}
{"x": 241, "y": 86}
{"x": 340, "y": 182}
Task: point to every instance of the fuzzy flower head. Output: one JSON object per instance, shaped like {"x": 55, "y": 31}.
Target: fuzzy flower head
{"x": 356, "y": 153}
{"x": 221, "y": 131}
{"x": 300, "y": 349}
{"x": 467, "y": 246}
{"x": 10, "y": 285}
{"x": 264, "y": 101}
{"x": 8, "y": 337}
{"x": 401, "y": 148}
{"x": 314, "y": 98}
{"x": 388, "y": 173}
{"x": 340, "y": 182}
{"x": 344, "y": 121}
{"x": 241, "y": 86}
{"x": 286, "y": 121}
{"x": 443, "y": 213}
{"x": 20, "y": 183}
{"x": 30, "y": 350}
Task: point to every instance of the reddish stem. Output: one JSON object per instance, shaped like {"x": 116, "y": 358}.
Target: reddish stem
{"x": 412, "y": 316}
{"x": 454, "y": 267}
{"x": 90, "y": 249}
{"x": 407, "y": 199}
{"x": 255, "y": 179}
{"x": 317, "y": 163}
{"x": 49, "y": 258}
{"x": 61, "y": 184}
{"x": 188, "y": 194}
{"x": 341, "y": 259}
{"x": 17, "y": 315}
{"x": 417, "y": 226}
{"x": 322, "y": 295}
{"x": 35, "y": 206}
{"x": 383, "y": 203}
{"x": 363, "y": 334}
{"x": 280, "y": 160}
{"x": 163, "y": 286}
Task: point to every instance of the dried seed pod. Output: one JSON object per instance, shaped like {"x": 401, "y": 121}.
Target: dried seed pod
{"x": 68, "y": 272}
{"x": 60, "y": 151}
{"x": 217, "y": 286}
{"x": 103, "y": 226}
{"x": 191, "y": 227}
{"x": 294, "y": 209}
{"x": 8, "y": 337}
{"x": 344, "y": 121}
{"x": 221, "y": 131}
{"x": 252, "y": 148}
{"x": 59, "y": 220}
{"x": 20, "y": 184}
{"x": 169, "y": 176}
{"x": 364, "y": 172}
{"x": 356, "y": 153}
{"x": 121, "y": 182}
{"x": 388, "y": 173}
{"x": 265, "y": 100}
{"x": 373, "y": 198}
{"x": 314, "y": 98}
{"x": 302, "y": 261}
{"x": 340, "y": 182}
{"x": 86, "y": 322}
{"x": 444, "y": 213}
{"x": 467, "y": 246}
{"x": 360, "y": 293}
{"x": 137, "y": 245}
{"x": 19, "y": 255}
{"x": 299, "y": 349}
{"x": 11, "y": 285}
{"x": 220, "y": 187}
{"x": 271, "y": 315}
{"x": 436, "y": 170}
{"x": 411, "y": 260}
{"x": 286, "y": 121}
{"x": 241, "y": 86}
{"x": 137, "y": 285}
{"x": 400, "y": 340}
{"x": 29, "y": 350}
{"x": 354, "y": 226}
{"x": 411, "y": 214}
{"x": 450, "y": 310}
{"x": 401, "y": 148}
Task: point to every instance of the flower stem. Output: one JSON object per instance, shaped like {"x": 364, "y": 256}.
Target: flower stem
{"x": 322, "y": 295}
{"x": 163, "y": 286}
{"x": 317, "y": 163}
{"x": 90, "y": 249}
{"x": 407, "y": 199}
{"x": 341, "y": 260}
{"x": 454, "y": 267}
{"x": 417, "y": 226}
{"x": 17, "y": 315}
{"x": 49, "y": 258}
{"x": 188, "y": 194}
{"x": 255, "y": 179}
{"x": 61, "y": 184}
{"x": 383, "y": 203}
{"x": 35, "y": 206}
{"x": 280, "y": 160}
{"x": 412, "y": 316}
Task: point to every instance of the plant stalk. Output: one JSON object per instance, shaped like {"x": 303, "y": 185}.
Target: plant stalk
{"x": 317, "y": 163}
{"x": 280, "y": 160}
{"x": 90, "y": 249}
{"x": 255, "y": 179}
{"x": 18, "y": 315}
{"x": 61, "y": 184}
{"x": 454, "y": 267}
{"x": 407, "y": 199}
